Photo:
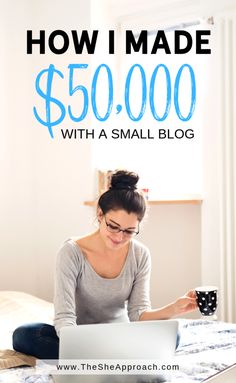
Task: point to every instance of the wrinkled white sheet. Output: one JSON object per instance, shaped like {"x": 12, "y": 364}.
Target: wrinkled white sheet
{"x": 17, "y": 308}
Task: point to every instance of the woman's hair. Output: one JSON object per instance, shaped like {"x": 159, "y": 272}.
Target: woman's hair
{"x": 123, "y": 194}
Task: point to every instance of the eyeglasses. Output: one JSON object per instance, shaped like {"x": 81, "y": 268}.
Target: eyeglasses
{"x": 112, "y": 228}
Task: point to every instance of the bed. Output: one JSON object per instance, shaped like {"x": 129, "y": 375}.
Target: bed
{"x": 206, "y": 347}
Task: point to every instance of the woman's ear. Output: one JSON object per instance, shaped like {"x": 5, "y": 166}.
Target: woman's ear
{"x": 99, "y": 214}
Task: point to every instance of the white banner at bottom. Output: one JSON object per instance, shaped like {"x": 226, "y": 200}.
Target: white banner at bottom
{"x": 108, "y": 367}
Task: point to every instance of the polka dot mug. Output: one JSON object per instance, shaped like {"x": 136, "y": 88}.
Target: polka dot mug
{"x": 207, "y": 299}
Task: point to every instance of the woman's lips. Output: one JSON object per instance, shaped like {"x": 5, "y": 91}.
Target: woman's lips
{"x": 115, "y": 242}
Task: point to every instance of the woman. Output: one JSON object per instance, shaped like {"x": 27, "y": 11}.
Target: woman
{"x": 104, "y": 276}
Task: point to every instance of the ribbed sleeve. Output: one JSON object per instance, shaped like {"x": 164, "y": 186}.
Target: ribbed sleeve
{"x": 68, "y": 267}
{"x": 139, "y": 299}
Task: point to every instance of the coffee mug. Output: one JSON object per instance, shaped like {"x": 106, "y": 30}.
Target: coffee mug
{"x": 206, "y": 297}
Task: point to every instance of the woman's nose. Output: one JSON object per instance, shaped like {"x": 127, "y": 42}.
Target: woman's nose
{"x": 119, "y": 235}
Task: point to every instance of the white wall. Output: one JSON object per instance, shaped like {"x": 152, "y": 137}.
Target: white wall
{"x": 44, "y": 181}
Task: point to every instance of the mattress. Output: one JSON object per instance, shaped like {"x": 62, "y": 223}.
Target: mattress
{"x": 17, "y": 308}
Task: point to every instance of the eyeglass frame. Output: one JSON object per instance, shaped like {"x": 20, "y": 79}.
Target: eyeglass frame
{"x": 124, "y": 231}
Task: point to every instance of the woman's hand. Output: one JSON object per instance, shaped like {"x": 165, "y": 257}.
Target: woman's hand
{"x": 186, "y": 303}
{"x": 182, "y": 305}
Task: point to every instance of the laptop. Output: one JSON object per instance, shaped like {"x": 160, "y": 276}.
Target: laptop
{"x": 143, "y": 340}
{"x": 226, "y": 376}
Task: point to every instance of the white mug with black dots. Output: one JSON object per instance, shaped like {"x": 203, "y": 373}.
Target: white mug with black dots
{"x": 207, "y": 300}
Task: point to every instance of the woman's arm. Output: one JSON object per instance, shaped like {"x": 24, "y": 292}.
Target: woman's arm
{"x": 139, "y": 306}
{"x": 67, "y": 270}
{"x": 182, "y": 305}
{"x": 139, "y": 299}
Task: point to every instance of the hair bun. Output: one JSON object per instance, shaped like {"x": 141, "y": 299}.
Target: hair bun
{"x": 122, "y": 179}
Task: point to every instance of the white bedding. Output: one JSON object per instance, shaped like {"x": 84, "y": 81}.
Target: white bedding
{"x": 17, "y": 308}
{"x": 205, "y": 348}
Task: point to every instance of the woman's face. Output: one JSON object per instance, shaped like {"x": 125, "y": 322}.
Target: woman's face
{"x": 111, "y": 222}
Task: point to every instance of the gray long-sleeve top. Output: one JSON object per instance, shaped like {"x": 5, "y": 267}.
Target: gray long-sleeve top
{"x": 82, "y": 296}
